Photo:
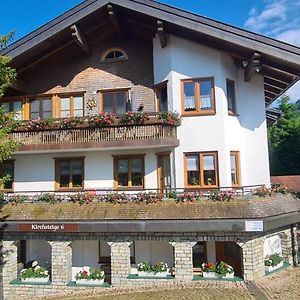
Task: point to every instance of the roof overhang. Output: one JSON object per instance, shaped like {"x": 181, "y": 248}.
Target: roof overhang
{"x": 277, "y": 61}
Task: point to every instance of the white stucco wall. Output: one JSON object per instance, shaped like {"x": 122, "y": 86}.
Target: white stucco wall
{"x": 245, "y": 133}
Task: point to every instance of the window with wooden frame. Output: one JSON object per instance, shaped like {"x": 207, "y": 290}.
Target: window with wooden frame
{"x": 201, "y": 170}
{"x": 15, "y": 106}
{"x": 114, "y": 101}
{"x": 231, "y": 101}
{"x": 7, "y": 172}
{"x": 235, "y": 168}
{"x": 161, "y": 91}
{"x": 69, "y": 173}
{"x": 198, "y": 96}
{"x": 71, "y": 106}
{"x": 114, "y": 54}
{"x": 129, "y": 171}
{"x": 41, "y": 108}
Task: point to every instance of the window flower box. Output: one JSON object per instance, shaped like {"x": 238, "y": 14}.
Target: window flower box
{"x": 34, "y": 274}
{"x": 90, "y": 281}
{"x": 145, "y": 269}
{"x": 209, "y": 274}
{"x": 153, "y": 274}
{"x": 273, "y": 262}
{"x": 35, "y": 279}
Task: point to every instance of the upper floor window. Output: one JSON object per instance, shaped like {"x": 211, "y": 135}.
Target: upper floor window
{"x": 114, "y": 101}
{"x": 71, "y": 106}
{"x": 201, "y": 169}
{"x": 198, "y": 96}
{"x": 161, "y": 91}
{"x": 13, "y": 106}
{"x": 41, "y": 108}
{"x": 235, "y": 168}
{"x": 114, "y": 55}
{"x": 230, "y": 89}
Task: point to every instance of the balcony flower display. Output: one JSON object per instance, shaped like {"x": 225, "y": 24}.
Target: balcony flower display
{"x": 134, "y": 118}
{"x": 103, "y": 119}
{"x": 34, "y": 274}
{"x": 72, "y": 122}
{"x": 273, "y": 262}
{"x": 90, "y": 277}
{"x": 146, "y": 269}
{"x": 170, "y": 118}
{"x": 39, "y": 123}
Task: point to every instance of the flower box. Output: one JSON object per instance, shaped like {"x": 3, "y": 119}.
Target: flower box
{"x": 228, "y": 275}
{"x": 273, "y": 268}
{"x": 90, "y": 281}
{"x": 209, "y": 275}
{"x": 35, "y": 279}
{"x": 152, "y": 274}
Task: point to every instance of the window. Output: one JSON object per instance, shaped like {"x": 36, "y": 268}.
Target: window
{"x": 13, "y": 106}
{"x": 71, "y": 106}
{"x": 235, "y": 168}
{"x": 114, "y": 55}
{"x": 129, "y": 172}
{"x": 69, "y": 173}
{"x": 114, "y": 102}
{"x": 201, "y": 169}
{"x": 162, "y": 96}
{"x": 41, "y": 108}
{"x": 198, "y": 96}
{"x": 230, "y": 96}
{"x": 7, "y": 169}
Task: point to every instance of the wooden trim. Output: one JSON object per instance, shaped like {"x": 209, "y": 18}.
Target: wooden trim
{"x": 198, "y": 111}
{"x": 158, "y": 85}
{"x": 160, "y": 173}
{"x": 233, "y": 110}
{"x": 129, "y": 158}
{"x": 111, "y": 91}
{"x": 57, "y": 174}
{"x": 237, "y": 166}
{"x": 157, "y": 88}
{"x": 201, "y": 170}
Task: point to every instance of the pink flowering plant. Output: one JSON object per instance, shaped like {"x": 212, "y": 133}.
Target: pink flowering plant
{"x": 92, "y": 274}
{"x": 282, "y": 189}
{"x": 103, "y": 119}
{"x": 263, "y": 192}
{"x": 134, "y": 118}
{"x": 170, "y": 118}
{"x": 39, "y": 123}
{"x": 223, "y": 196}
{"x": 72, "y": 122}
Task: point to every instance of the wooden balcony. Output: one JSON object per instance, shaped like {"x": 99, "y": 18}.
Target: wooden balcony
{"x": 153, "y": 134}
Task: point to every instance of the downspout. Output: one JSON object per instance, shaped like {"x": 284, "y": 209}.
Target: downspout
{"x": 294, "y": 245}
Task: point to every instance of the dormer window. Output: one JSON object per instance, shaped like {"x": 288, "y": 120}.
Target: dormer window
{"x": 114, "y": 55}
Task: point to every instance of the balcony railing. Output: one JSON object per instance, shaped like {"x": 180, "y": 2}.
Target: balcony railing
{"x": 153, "y": 133}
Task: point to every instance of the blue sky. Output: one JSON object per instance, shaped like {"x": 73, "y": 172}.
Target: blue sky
{"x": 279, "y": 19}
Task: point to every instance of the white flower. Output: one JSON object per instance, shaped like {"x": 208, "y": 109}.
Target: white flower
{"x": 34, "y": 263}
{"x": 102, "y": 273}
{"x": 37, "y": 267}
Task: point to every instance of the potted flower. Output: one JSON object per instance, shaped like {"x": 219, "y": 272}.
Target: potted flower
{"x": 90, "y": 277}
{"x": 224, "y": 270}
{"x": 103, "y": 119}
{"x": 134, "y": 118}
{"x": 273, "y": 262}
{"x": 208, "y": 270}
{"x": 146, "y": 269}
{"x": 34, "y": 274}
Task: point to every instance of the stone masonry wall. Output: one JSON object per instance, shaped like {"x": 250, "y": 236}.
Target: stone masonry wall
{"x": 251, "y": 244}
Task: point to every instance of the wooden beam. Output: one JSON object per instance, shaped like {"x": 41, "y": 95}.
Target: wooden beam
{"x": 270, "y": 95}
{"x": 161, "y": 34}
{"x": 253, "y": 65}
{"x": 113, "y": 19}
{"x": 277, "y": 75}
{"x": 19, "y": 86}
{"x": 272, "y": 89}
{"x": 80, "y": 39}
{"x": 275, "y": 83}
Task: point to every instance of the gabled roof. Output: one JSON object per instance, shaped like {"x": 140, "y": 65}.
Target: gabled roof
{"x": 277, "y": 61}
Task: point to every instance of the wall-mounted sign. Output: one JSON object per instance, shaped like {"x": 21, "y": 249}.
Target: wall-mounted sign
{"x": 254, "y": 225}
{"x": 48, "y": 227}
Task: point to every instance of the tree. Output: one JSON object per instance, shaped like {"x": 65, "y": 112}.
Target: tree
{"x": 284, "y": 140}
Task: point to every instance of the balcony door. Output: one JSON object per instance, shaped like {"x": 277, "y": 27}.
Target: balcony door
{"x": 163, "y": 172}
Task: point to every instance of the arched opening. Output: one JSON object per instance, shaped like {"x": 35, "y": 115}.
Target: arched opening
{"x": 232, "y": 254}
{"x": 91, "y": 254}
{"x": 114, "y": 54}
{"x": 152, "y": 252}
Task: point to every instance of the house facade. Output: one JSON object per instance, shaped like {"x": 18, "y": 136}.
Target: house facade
{"x": 139, "y": 98}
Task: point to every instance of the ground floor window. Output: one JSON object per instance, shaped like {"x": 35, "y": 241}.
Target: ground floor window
{"x": 69, "y": 173}
{"x": 129, "y": 171}
{"x": 201, "y": 169}
{"x": 7, "y": 173}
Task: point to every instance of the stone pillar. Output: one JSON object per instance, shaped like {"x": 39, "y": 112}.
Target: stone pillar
{"x": 183, "y": 256}
{"x": 61, "y": 262}
{"x": 286, "y": 245}
{"x": 253, "y": 258}
{"x": 120, "y": 261}
{"x": 9, "y": 271}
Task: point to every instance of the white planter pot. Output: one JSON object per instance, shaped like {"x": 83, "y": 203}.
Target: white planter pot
{"x": 35, "y": 280}
{"x": 270, "y": 268}
{"x": 90, "y": 281}
{"x": 228, "y": 275}
{"x": 209, "y": 275}
{"x": 152, "y": 274}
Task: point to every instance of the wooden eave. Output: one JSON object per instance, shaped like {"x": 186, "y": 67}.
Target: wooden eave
{"x": 279, "y": 62}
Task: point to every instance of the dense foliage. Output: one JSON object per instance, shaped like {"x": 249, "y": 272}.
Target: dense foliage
{"x": 284, "y": 140}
